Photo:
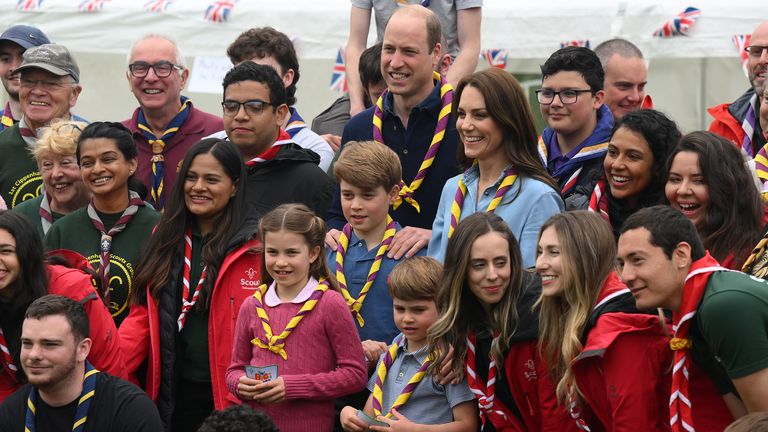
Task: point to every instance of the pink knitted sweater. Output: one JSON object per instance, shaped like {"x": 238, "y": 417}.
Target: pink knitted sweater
{"x": 325, "y": 360}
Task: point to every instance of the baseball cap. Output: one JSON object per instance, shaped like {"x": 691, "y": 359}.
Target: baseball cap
{"x": 24, "y": 35}
{"x": 54, "y": 58}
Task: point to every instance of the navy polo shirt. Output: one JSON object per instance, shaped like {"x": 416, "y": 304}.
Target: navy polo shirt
{"x": 411, "y": 146}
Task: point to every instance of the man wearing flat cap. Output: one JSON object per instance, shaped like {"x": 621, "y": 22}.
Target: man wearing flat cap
{"x": 48, "y": 88}
{"x": 13, "y": 42}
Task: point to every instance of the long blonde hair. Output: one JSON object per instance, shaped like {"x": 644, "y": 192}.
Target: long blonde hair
{"x": 588, "y": 256}
{"x": 459, "y": 308}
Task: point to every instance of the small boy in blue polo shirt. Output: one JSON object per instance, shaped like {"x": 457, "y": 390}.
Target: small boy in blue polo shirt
{"x": 403, "y": 393}
{"x": 369, "y": 176}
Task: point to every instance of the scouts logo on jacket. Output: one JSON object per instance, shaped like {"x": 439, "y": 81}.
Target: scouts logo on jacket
{"x": 26, "y": 188}
{"x": 530, "y": 373}
{"x": 250, "y": 283}
{"x": 120, "y": 282}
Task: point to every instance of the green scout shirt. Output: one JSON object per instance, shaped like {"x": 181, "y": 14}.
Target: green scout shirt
{"x": 31, "y": 210}
{"x": 19, "y": 178}
{"x": 76, "y": 232}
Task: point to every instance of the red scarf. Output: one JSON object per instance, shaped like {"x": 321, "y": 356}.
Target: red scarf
{"x": 680, "y": 417}
{"x": 186, "y": 301}
{"x": 282, "y": 139}
{"x": 490, "y": 408}
{"x": 6, "y": 361}
{"x": 598, "y": 202}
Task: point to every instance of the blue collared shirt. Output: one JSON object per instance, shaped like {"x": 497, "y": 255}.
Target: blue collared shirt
{"x": 525, "y": 207}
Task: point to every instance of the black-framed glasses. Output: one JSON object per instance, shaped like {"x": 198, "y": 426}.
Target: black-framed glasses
{"x": 755, "y": 50}
{"x": 252, "y": 107}
{"x": 567, "y": 96}
{"x": 162, "y": 69}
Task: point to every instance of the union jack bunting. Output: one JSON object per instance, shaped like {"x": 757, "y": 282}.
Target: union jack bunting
{"x": 92, "y": 5}
{"x": 579, "y": 43}
{"x": 28, "y": 5}
{"x": 157, "y": 5}
{"x": 679, "y": 25}
{"x": 496, "y": 58}
{"x": 219, "y": 10}
{"x": 741, "y": 42}
{"x": 339, "y": 76}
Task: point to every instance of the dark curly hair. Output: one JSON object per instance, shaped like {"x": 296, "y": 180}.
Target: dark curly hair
{"x": 661, "y": 134}
{"x": 249, "y": 71}
{"x": 261, "y": 42}
{"x": 734, "y": 218}
{"x": 576, "y": 59}
{"x": 238, "y": 418}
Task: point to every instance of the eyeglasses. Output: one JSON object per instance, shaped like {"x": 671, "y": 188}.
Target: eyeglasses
{"x": 567, "y": 97}
{"x": 252, "y": 107}
{"x": 162, "y": 69}
{"x": 48, "y": 85}
{"x": 755, "y": 50}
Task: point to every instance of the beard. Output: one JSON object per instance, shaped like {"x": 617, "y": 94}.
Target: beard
{"x": 55, "y": 375}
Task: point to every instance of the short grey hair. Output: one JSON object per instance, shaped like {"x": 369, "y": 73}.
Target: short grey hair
{"x": 180, "y": 59}
{"x": 622, "y": 47}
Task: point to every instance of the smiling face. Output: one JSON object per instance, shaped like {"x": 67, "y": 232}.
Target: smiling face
{"x": 10, "y": 59}
{"x": 51, "y": 99}
{"x": 758, "y": 65}
{"x": 288, "y": 257}
{"x": 63, "y": 184}
{"x": 152, "y": 92}
{"x": 686, "y": 189}
{"x": 9, "y": 264}
{"x": 628, "y": 164}
{"x": 207, "y": 190}
{"x": 654, "y": 279}
{"x": 366, "y": 210}
{"x": 103, "y": 167}
{"x": 573, "y": 122}
{"x": 413, "y": 318}
{"x": 489, "y": 268}
{"x": 625, "y": 80}
{"x": 407, "y": 62}
{"x": 253, "y": 134}
{"x": 49, "y": 353}
{"x": 479, "y": 132}
{"x": 549, "y": 264}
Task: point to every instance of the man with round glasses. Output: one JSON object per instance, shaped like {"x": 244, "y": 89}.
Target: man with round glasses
{"x": 48, "y": 89}
{"x": 166, "y": 124}
{"x": 737, "y": 121}
{"x": 579, "y": 125}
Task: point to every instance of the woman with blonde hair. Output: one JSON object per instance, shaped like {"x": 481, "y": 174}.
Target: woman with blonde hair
{"x": 609, "y": 360}
{"x": 63, "y": 189}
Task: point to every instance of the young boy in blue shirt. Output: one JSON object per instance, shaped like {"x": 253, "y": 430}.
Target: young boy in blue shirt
{"x": 403, "y": 394}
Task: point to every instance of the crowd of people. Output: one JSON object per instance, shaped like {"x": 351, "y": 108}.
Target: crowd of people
{"x": 418, "y": 259}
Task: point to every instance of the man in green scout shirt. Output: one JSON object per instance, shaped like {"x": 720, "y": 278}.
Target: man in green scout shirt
{"x": 719, "y": 318}
{"x": 49, "y": 87}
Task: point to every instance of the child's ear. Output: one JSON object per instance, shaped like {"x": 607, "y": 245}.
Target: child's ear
{"x": 314, "y": 253}
{"x": 393, "y": 193}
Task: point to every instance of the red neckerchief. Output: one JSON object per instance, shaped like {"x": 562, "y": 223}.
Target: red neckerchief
{"x": 5, "y": 358}
{"x": 485, "y": 392}
{"x": 598, "y": 202}
{"x": 282, "y": 139}
{"x": 680, "y": 417}
{"x": 186, "y": 301}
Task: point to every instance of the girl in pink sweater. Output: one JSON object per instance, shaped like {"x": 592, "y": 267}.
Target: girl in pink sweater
{"x": 299, "y": 322}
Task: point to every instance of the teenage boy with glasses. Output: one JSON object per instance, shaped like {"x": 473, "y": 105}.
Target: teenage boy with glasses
{"x": 279, "y": 170}
{"x": 579, "y": 125}
{"x": 166, "y": 124}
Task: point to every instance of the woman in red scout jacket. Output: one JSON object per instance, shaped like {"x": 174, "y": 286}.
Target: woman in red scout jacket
{"x": 24, "y": 277}
{"x": 201, "y": 267}
{"x": 707, "y": 181}
{"x": 610, "y": 362}
{"x": 633, "y": 176}
{"x": 485, "y": 304}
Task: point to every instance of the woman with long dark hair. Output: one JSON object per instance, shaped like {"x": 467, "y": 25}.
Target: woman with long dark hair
{"x": 204, "y": 262}
{"x": 25, "y": 276}
{"x": 503, "y": 174}
{"x": 112, "y": 230}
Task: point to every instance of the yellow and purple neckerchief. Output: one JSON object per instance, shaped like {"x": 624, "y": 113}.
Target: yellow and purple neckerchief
{"x": 158, "y": 145}
{"x": 276, "y": 344}
{"x": 83, "y": 402}
{"x": 7, "y": 120}
{"x": 510, "y": 175}
{"x": 381, "y": 375}
{"x": 356, "y": 304}
{"x": 588, "y": 152}
{"x": 446, "y": 99}
{"x": 748, "y": 126}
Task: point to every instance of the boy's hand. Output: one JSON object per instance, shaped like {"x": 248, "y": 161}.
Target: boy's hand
{"x": 408, "y": 241}
{"x": 269, "y": 392}
{"x": 350, "y": 422}
{"x": 332, "y": 239}
{"x": 246, "y": 388}
{"x": 399, "y": 424}
{"x": 373, "y": 350}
